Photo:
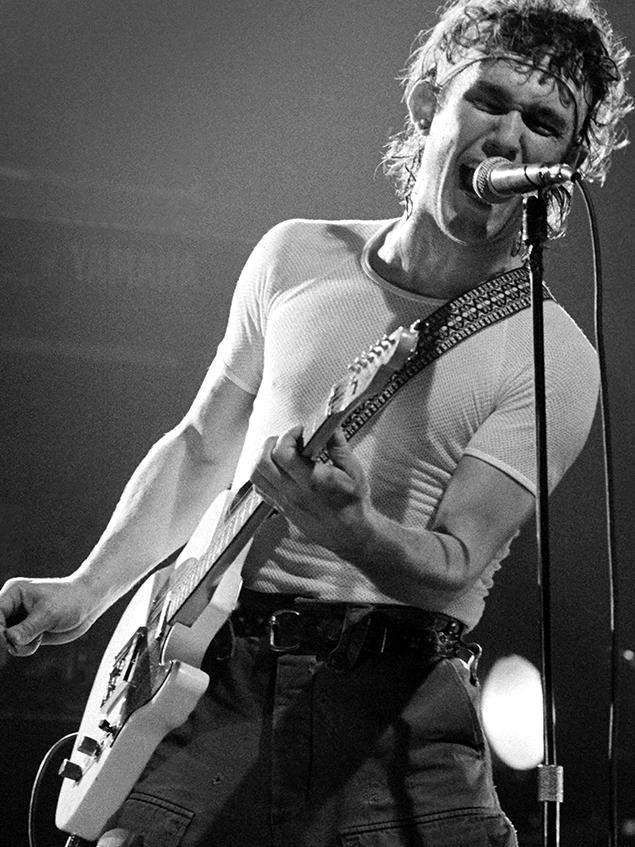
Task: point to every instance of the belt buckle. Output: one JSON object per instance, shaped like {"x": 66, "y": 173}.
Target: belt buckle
{"x": 273, "y": 623}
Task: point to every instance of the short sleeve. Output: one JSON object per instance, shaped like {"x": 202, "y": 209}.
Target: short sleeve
{"x": 506, "y": 439}
{"x": 242, "y": 348}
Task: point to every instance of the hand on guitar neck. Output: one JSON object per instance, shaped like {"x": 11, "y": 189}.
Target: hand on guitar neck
{"x": 326, "y": 500}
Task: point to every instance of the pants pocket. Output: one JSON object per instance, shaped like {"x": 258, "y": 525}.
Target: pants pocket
{"x": 445, "y": 710}
{"x": 460, "y": 828}
{"x": 468, "y": 693}
{"x": 160, "y": 822}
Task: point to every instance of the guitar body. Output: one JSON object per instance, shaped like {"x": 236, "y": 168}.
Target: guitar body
{"x": 157, "y": 689}
{"x": 149, "y": 679}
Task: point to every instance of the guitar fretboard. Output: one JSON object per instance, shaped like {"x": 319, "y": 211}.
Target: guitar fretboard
{"x": 230, "y": 533}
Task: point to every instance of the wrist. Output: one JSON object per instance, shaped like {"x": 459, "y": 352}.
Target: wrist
{"x": 362, "y": 537}
{"x": 93, "y": 584}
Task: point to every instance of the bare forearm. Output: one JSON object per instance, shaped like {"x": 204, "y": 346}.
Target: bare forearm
{"x": 159, "y": 509}
{"x": 157, "y": 512}
{"x": 407, "y": 563}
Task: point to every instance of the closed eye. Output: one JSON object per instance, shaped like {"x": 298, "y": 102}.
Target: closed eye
{"x": 491, "y": 99}
{"x": 491, "y": 105}
{"x": 545, "y": 123}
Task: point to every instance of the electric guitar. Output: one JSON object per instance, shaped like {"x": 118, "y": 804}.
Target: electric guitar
{"x": 149, "y": 679}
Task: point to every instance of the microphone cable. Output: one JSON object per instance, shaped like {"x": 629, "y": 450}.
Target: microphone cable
{"x": 607, "y": 449}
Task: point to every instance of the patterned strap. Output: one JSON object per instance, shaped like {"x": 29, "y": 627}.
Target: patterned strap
{"x": 451, "y": 323}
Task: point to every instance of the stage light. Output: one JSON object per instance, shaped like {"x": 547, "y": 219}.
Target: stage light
{"x": 512, "y": 712}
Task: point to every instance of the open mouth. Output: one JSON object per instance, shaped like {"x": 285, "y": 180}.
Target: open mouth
{"x": 466, "y": 175}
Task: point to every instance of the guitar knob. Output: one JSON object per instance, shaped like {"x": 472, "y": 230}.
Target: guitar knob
{"x": 70, "y": 770}
{"x": 88, "y": 746}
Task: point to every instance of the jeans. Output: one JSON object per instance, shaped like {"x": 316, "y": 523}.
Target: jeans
{"x": 284, "y": 751}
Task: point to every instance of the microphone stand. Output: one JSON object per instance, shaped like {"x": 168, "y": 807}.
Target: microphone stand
{"x": 550, "y": 775}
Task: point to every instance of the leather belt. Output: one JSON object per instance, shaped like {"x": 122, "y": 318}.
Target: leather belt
{"x": 341, "y": 633}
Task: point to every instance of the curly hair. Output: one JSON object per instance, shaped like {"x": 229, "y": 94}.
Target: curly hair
{"x": 573, "y": 39}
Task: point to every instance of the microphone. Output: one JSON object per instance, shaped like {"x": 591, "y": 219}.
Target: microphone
{"x": 496, "y": 180}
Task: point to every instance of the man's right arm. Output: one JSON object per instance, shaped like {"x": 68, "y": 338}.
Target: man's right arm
{"x": 157, "y": 513}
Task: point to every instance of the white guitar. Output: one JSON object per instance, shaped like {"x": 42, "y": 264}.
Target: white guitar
{"x": 149, "y": 679}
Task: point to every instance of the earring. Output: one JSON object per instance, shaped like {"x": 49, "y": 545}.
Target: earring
{"x": 518, "y": 245}
{"x": 412, "y": 169}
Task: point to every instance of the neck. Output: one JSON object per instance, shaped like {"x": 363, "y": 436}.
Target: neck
{"x": 418, "y": 260}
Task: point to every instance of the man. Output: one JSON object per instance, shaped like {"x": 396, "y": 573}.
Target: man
{"x": 361, "y": 728}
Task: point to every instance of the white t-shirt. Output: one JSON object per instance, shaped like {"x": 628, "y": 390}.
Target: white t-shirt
{"x": 306, "y": 304}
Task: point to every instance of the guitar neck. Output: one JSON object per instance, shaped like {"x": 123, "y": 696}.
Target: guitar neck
{"x": 192, "y": 584}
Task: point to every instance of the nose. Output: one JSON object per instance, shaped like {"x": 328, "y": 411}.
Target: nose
{"x": 505, "y": 137}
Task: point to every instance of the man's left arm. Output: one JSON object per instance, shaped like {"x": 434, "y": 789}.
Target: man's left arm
{"x": 481, "y": 511}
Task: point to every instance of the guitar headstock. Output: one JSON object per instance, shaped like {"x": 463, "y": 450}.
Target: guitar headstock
{"x": 367, "y": 375}
{"x": 371, "y": 369}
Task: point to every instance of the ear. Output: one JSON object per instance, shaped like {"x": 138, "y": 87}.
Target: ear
{"x": 422, "y": 104}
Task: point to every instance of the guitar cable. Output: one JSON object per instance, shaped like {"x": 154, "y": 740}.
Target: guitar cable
{"x": 73, "y": 840}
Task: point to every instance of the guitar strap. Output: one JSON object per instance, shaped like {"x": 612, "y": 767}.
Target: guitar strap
{"x": 451, "y": 323}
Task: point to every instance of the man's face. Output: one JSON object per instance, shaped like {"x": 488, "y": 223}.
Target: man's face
{"x": 491, "y": 108}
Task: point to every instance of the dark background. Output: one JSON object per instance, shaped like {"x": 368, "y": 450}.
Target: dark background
{"x": 144, "y": 147}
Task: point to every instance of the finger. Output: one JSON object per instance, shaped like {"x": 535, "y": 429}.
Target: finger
{"x": 287, "y": 456}
{"x": 11, "y": 600}
{"x": 287, "y": 446}
{"x": 279, "y": 461}
{"x": 19, "y": 649}
{"x": 265, "y": 465}
{"x": 264, "y": 468}
{"x": 25, "y": 636}
{"x": 341, "y": 455}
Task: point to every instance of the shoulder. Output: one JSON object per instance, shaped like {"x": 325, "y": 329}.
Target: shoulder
{"x": 571, "y": 362}
{"x": 566, "y": 345}
{"x": 309, "y": 237}
{"x": 299, "y": 251}
{"x": 572, "y": 374}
